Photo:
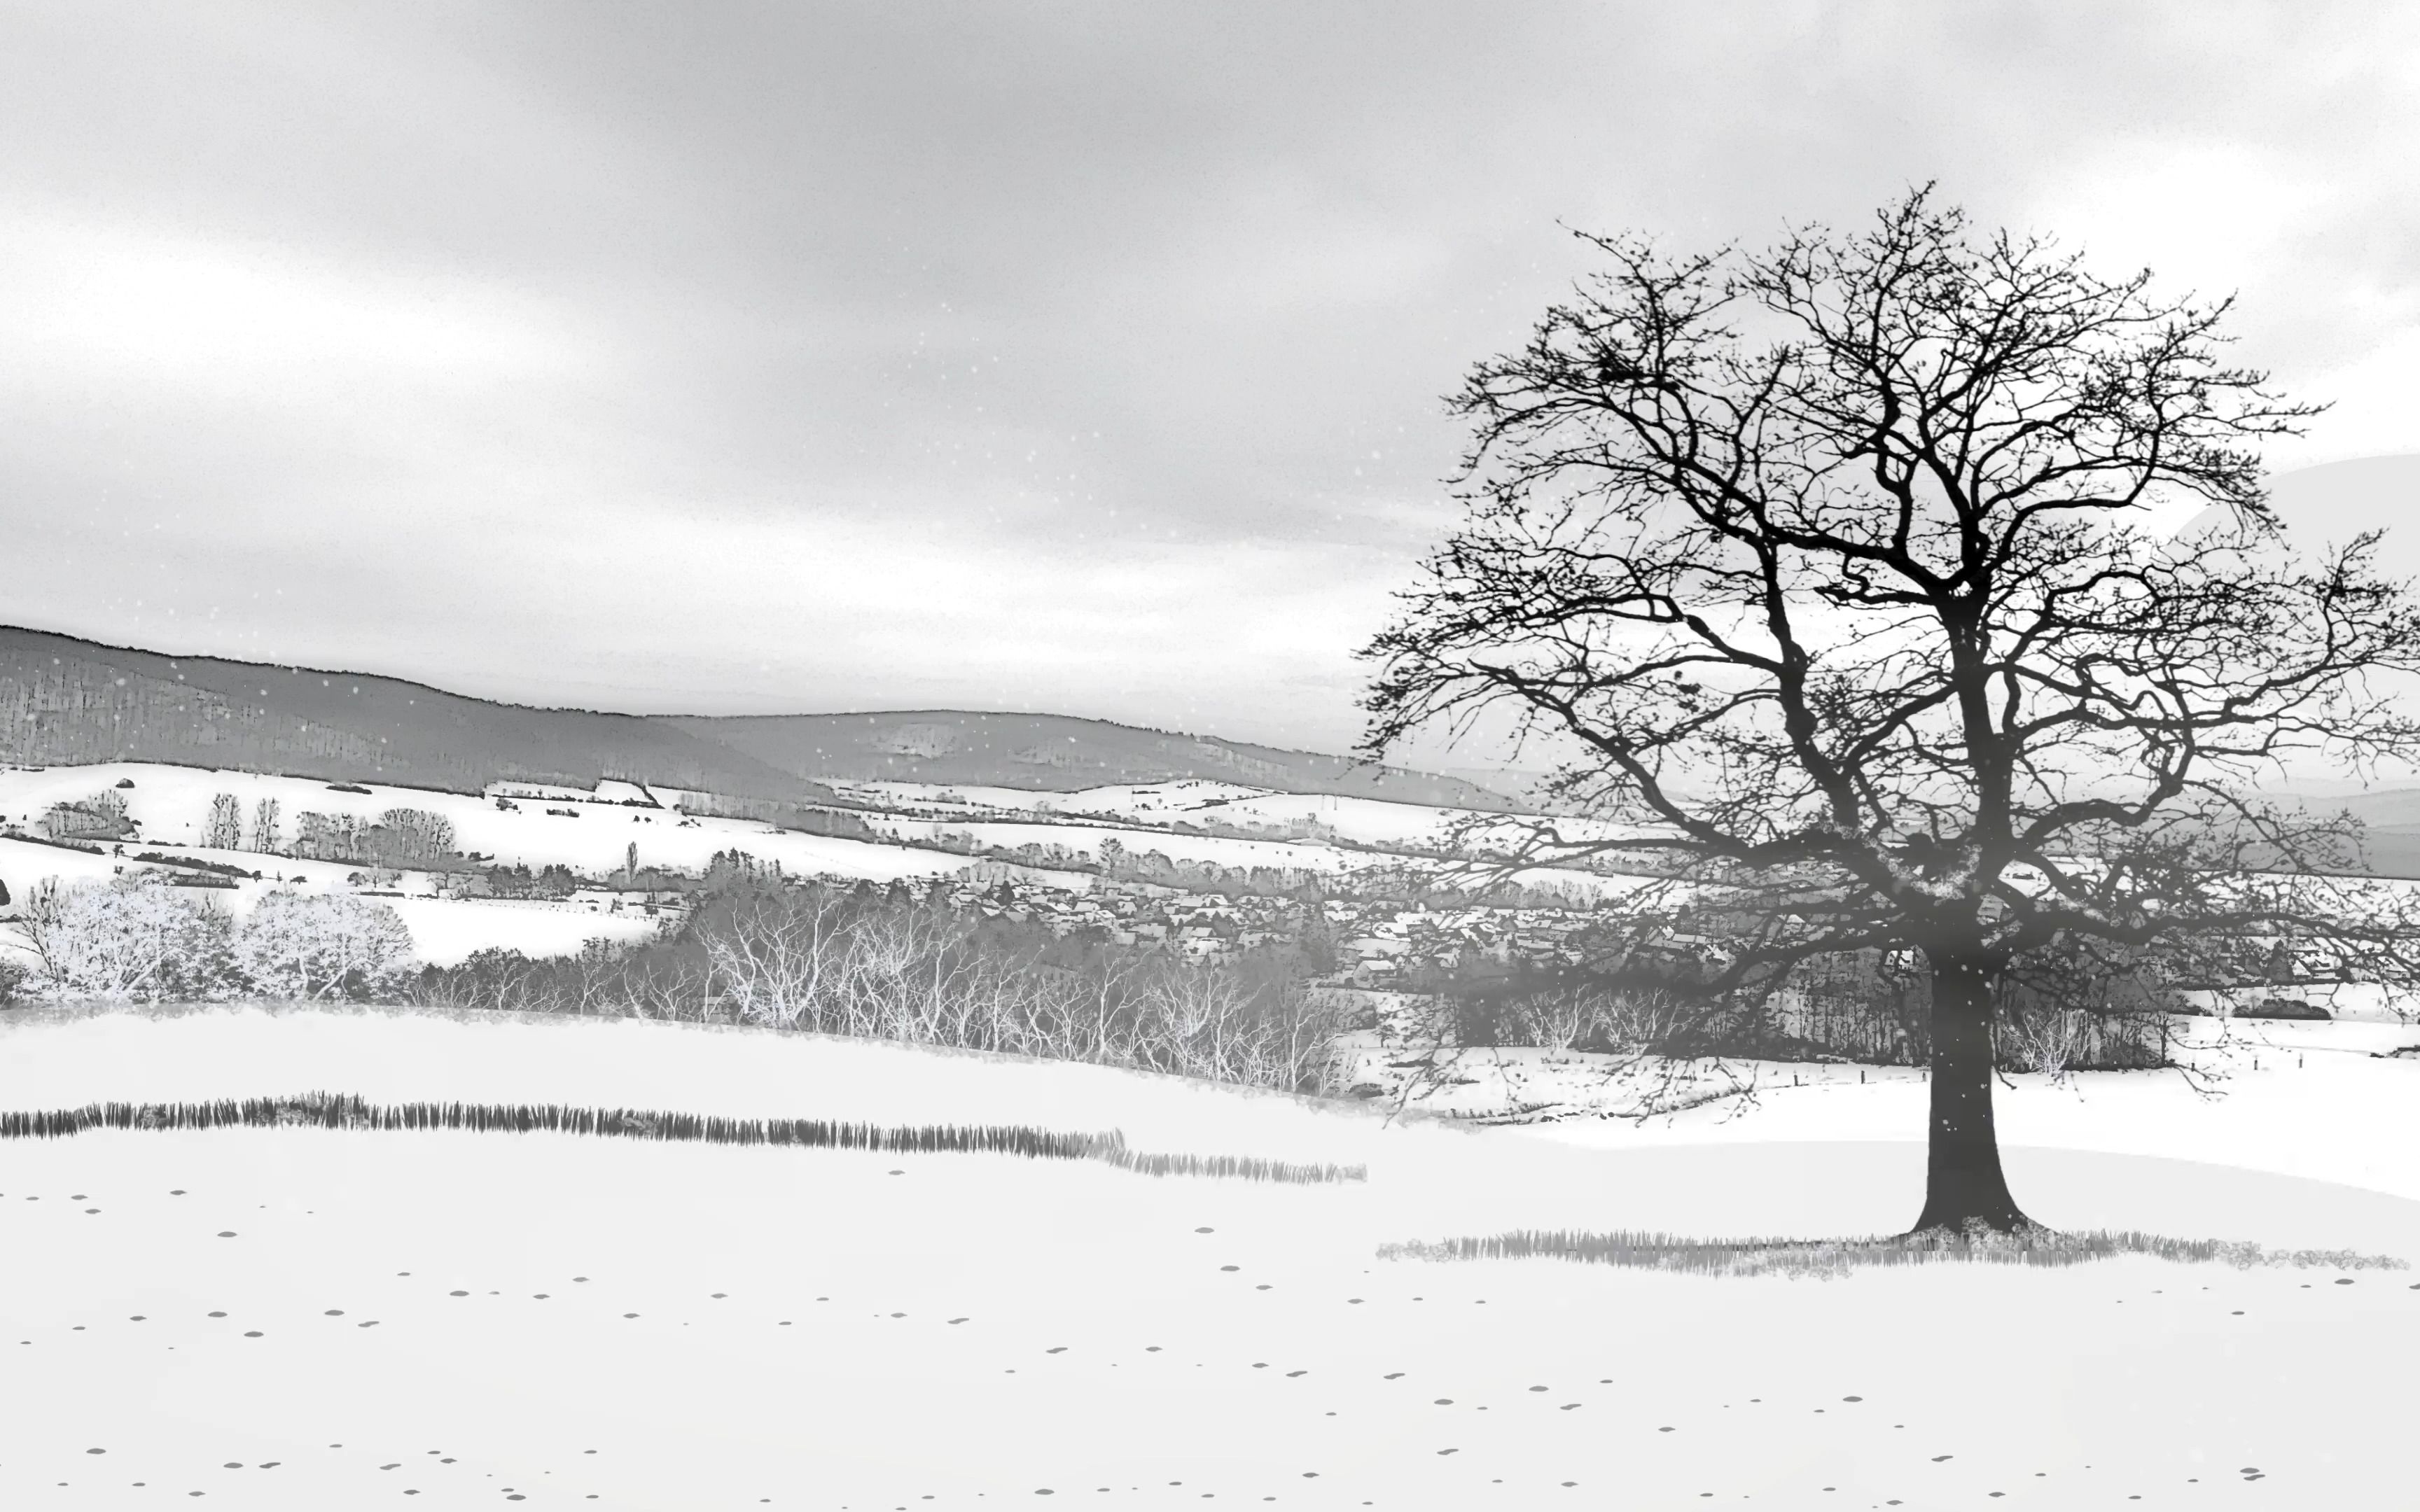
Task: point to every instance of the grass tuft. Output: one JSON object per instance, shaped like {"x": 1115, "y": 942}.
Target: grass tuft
{"x": 336, "y": 1110}
{"x": 1827, "y": 1258}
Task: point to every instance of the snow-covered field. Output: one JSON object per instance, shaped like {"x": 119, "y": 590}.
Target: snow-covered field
{"x": 173, "y": 804}
{"x": 303, "y": 1318}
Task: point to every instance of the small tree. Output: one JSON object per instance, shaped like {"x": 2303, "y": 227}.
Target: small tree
{"x": 224, "y": 829}
{"x": 324, "y": 837}
{"x": 102, "y": 816}
{"x": 412, "y": 835}
{"x": 1824, "y": 569}
{"x": 263, "y": 826}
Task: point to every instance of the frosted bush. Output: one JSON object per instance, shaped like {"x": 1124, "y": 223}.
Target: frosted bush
{"x": 305, "y": 946}
{"x": 128, "y": 939}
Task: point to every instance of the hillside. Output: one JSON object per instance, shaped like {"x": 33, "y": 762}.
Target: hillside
{"x": 1057, "y": 753}
{"x": 66, "y": 700}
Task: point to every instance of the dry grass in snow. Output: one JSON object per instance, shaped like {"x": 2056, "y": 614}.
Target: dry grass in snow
{"x": 1829, "y": 1257}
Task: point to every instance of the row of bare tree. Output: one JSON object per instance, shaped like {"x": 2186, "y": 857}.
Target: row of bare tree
{"x": 831, "y": 961}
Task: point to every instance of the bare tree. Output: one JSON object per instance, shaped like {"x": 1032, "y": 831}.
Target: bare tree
{"x": 1823, "y": 572}
{"x": 263, "y": 826}
{"x": 410, "y": 835}
{"x": 224, "y": 829}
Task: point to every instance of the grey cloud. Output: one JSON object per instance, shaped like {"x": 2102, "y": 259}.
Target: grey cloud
{"x": 1069, "y": 291}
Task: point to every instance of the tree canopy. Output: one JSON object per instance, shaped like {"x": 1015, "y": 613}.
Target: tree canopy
{"x": 1832, "y": 570}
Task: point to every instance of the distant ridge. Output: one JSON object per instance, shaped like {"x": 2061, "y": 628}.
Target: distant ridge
{"x": 1056, "y": 752}
{"x": 66, "y": 700}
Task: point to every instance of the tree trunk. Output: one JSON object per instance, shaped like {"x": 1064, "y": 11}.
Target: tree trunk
{"x": 1962, "y": 1184}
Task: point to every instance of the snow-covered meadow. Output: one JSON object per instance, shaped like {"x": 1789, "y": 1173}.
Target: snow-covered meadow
{"x": 313, "y": 1317}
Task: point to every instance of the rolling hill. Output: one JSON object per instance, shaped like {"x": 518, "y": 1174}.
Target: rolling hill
{"x": 1055, "y": 753}
{"x": 65, "y": 701}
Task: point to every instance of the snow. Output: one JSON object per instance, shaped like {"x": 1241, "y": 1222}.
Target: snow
{"x": 446, "y": 931}
{"x": 2313, "y": 1100}
{"x": 474, "y": 1317}
{"x": 25, "y": 862}
{"x": 172, "y": 803}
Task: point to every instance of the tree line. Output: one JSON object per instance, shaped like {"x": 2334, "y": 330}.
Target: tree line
{"x": 867, "y": 962}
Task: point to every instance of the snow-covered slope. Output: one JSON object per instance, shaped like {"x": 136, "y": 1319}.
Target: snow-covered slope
{"x": 302, "y": 1317}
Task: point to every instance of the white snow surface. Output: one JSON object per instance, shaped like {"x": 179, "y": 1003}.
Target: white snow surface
{"x": 300, "y": 1318}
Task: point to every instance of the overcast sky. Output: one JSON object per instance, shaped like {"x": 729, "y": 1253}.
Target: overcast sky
{"x": 737, "y": 359}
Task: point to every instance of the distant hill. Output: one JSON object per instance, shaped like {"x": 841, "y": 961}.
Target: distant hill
{"x": 2378, "y": 808}
{"x": 65, "y": 701}
{"x": 1055, "y": 753}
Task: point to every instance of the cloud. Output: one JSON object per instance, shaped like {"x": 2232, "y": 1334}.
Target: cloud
{"x": 1084, "y": 356}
